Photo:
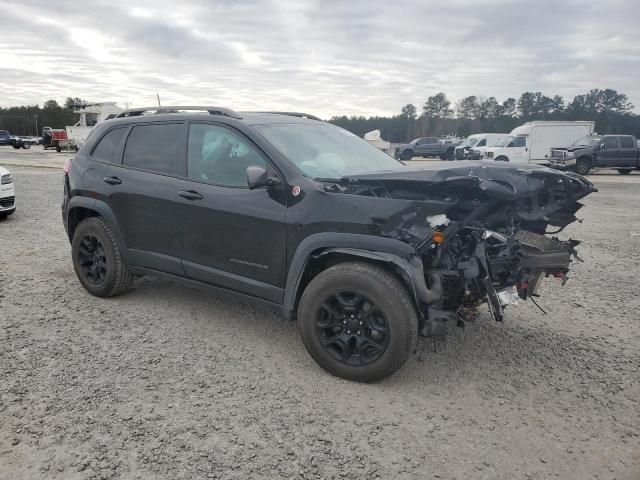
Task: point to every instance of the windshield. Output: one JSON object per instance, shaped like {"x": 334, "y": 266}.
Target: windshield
{"x": 586, "y": 141}
{"x": 504, "y": 142}
{"x": 327, "y": 151}
{"x": 470, "y": 142}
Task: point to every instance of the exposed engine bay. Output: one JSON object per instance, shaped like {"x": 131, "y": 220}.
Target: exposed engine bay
{"x": 482, "y": 233}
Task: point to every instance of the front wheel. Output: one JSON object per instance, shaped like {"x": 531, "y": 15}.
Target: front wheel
{"x": 26, "y": 146}
{"x": 358, "y": 321}
{"x": 502, "y": 158}
{"x": 406, "y": 155}
{"x": 97, "y": 259}
{"x": 623, "y": 171}
{"x": 583, "y": 166}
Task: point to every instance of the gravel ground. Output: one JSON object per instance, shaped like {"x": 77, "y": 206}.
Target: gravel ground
{"x": 168, "y": 382}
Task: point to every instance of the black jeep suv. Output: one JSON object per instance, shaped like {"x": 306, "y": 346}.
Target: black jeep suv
{"x": 283, "y": 209}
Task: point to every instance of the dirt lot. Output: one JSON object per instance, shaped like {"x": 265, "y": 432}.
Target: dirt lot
{"x": 167, "y": 382}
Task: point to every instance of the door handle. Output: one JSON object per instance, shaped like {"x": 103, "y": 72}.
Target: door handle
{"x": 112, "y": 180}
{"x": 190, "y": 195}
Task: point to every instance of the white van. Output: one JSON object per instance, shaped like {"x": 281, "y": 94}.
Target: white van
{"x": 532, "y": 142}
{"x": 472, "y": 145}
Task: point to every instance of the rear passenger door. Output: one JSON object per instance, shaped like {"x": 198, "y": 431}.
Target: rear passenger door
{"x": 143, "y": 192}
{"x": 628, "y": 151}
{"x": 233, "y": 237}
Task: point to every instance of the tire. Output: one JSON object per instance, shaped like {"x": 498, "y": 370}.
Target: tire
{"x": 16, "y": 146}
{"x": 109, "y": 275}
{"x": 383, "y": 342}
{"x": 502, "y": 158}
{"x": 58, "y": 149}
{"x": 406, "y": 155}
{"x": 622, "y": 171}
{"x": 583, "y": 166}
{"x": 26, "y": 146}
{"x": 450, "y": 155}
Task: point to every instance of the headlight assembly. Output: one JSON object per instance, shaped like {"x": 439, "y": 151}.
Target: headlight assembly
{"x": 6, "y": 179}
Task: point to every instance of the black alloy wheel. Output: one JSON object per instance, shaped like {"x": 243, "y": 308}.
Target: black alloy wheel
{"x": 92, "y": 260}
{"x": 352, "y": 328}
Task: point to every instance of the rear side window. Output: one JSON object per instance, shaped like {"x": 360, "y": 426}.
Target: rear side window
{"x": 155, "y": 147}
{"x": 610, "y": 142}
{"x": 109, "y": 148}
{"x": 626, "y": 142}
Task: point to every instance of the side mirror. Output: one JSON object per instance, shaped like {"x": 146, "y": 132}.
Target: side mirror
{"x": 257, "y": 177}
{"x": 602, "y": 146}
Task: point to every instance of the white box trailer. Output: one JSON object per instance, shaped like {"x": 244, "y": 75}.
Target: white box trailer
{"x": 533, "y": 141}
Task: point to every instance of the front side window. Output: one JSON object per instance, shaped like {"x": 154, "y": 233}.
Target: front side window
{"x": 108, "y": 149}
{"x": 155, "y": 147}
{"x": 221, "y": 156}
{"x": 325, "y": 151}
{"x": 610, "y": 142}
{"x": 482, "y": 143}
{"x": 626, "y": 142}
{"x": 519, "y": 142}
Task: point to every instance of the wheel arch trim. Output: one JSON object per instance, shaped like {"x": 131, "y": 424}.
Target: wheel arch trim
{"x": 359, "y": 246}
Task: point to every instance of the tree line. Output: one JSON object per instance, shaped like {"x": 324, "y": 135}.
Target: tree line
{"x": 29, "y": 119}
{"x": 611, "y": 111}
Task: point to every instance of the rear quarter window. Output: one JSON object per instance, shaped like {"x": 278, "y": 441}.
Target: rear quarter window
{"x": 156, "y": 147}
{"x": 109, "y": 147}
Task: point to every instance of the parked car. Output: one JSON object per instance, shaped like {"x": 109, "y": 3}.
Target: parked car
{"x": 302, "y": 216}
{"x": 532, "y": 142}
{"x": 469, "y": 149}
{"x": 426, "y": 147}
{"x": 6, "y": 139}
{"x": 7, "y": 193}
{"x": 620, "y": 152}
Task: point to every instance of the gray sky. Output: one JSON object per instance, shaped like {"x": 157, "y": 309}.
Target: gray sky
{"x": 321, "y": 56}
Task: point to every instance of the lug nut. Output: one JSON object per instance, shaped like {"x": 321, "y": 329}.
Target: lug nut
{"x": 344, "y": 321}
{"x": 352, "y": 316}
{"x": 348, "y": 331}
{"x": 359, "y": 332}
{"x": 360, "y": 322}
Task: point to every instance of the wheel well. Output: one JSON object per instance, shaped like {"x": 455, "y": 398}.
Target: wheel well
{"x": 504, "y": 157}
{"x": 318, "y": 263}
{"x": 76, "y": 215}
{"x": 585, "y": 157}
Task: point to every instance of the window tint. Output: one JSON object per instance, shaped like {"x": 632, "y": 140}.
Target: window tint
{"x": 108, "y": 149}
{"x": 155, "y": 147}
{"x": 219, "y": 155}
{"x": 482, "y": 143}
{"x": 610, "y": 142}
{"x": 519, "y": 142}
{"x": 626, "y": 142}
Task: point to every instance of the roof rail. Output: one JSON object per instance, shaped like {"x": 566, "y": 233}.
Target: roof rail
{"x": 136, "y": 112}
{"x": 296, "y": 114}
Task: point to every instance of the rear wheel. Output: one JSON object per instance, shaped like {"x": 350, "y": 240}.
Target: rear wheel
{"x": 450, "y": 155}
{"x": 583, "y": 166}
{"x": 97, "y": 259}
{"x": 623, "y": 171}
{"x": 358, "y": 322}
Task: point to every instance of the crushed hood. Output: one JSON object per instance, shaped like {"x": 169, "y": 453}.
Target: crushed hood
{"x": 503, "y": 181}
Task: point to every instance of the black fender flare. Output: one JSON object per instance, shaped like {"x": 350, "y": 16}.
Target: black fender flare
{"x": 381, "y": 249}
{"x": 104, "y": 210}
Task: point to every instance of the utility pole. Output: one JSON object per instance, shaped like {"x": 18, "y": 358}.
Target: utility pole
{"x": 35, "y": 117}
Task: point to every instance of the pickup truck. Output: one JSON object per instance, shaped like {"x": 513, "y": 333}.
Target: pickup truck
{"x": 619, "y": 152}
{"x": 6, "y": 139}
{"x": 426, "y": 147}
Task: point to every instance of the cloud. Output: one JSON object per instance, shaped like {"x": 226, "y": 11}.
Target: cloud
{"x": 323, "y": 56}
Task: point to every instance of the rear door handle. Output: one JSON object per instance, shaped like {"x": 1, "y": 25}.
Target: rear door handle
{"x": 190, "y": 195}
{"x": 112, "y": 180}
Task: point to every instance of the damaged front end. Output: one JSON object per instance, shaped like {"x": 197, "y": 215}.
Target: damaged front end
{"x": 481, "y": 233}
